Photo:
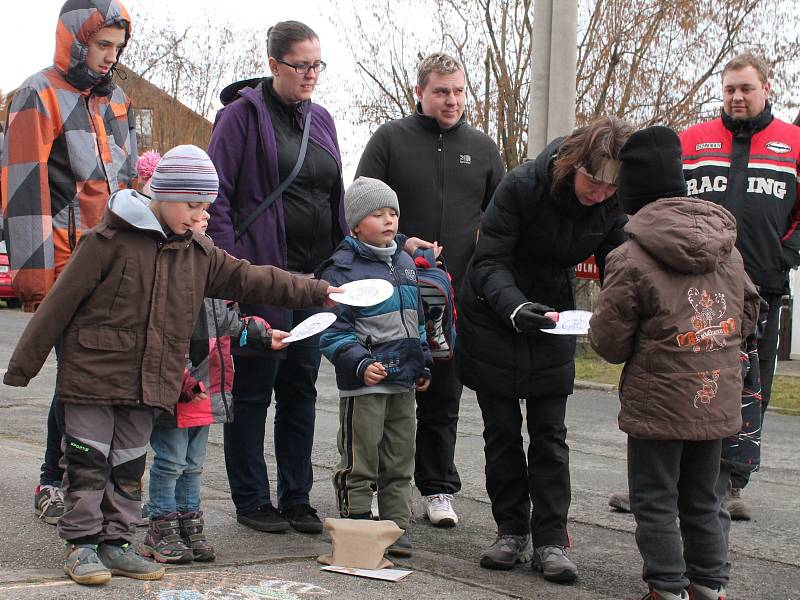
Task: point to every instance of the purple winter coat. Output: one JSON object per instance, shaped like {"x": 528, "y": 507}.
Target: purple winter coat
{"x": 243, "y": 150}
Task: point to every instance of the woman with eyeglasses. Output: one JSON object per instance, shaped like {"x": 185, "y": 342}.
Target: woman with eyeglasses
{"x": 280, "y": 203}
{"x": 546, "y": 216}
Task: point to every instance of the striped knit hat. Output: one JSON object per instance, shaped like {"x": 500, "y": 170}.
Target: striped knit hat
{"x": 185, "y": 174}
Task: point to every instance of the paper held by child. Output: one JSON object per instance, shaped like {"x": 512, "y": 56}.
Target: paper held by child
{"x": 311, "y": 326}
{"x": 364, "y": 292}
{"x": 570, "y": 322}
{"x": 382, "y": 574}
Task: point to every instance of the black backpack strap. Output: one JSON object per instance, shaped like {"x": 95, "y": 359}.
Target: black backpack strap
{"x": 242, "y": 228}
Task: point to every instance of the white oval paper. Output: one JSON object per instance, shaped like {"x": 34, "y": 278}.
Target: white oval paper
{"x": 571, "y": 322}
{"x": 311, "y": 326}
{"x": 364, "y": 292}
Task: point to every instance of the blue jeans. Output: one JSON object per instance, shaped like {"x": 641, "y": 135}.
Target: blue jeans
{"x": 294, "y": 383}
{"x": 178, "y": 456}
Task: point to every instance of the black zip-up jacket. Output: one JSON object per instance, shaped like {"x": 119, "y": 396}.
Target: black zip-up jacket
{"x": 530, "y": 241}
{"x": 307, "y": 213}
{"x": 443, "y": 178}
{"x": 751, "y": 167}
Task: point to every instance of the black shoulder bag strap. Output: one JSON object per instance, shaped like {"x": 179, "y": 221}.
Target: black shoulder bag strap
{"x": 240, "y": 231}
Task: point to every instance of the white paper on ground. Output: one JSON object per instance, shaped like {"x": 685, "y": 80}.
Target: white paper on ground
{"x": 571, "y": 322}
{"x": 383, "y": 574}
{"x": 364, "y": 292}
{"x": 311, "y": 326}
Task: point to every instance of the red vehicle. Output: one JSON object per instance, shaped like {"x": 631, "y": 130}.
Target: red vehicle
{"x": 6, "y": 289}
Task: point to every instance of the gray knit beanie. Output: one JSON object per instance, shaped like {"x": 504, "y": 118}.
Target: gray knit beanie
{"x": 185, "y": 174}
{"x": 365, "y": 195}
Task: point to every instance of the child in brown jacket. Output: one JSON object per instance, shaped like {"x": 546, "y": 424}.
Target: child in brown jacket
{"x": 123, "y": 312}
{"x": 675, "y": 306}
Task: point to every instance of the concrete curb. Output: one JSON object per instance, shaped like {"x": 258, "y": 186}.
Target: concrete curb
{"x": 582, "y": 384}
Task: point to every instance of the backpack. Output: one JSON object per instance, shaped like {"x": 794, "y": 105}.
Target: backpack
{"x": 438, "y": 303}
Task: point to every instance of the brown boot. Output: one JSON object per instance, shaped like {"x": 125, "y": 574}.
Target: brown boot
{"x": 193, "y": 536}
{"x": 737, "y": 507}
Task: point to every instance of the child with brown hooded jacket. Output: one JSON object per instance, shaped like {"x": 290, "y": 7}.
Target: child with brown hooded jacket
{"x": 675, "y": 306}
{"x": 124, "y": 311}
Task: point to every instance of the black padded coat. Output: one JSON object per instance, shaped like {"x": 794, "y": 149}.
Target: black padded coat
{"x": 530, "y": 241}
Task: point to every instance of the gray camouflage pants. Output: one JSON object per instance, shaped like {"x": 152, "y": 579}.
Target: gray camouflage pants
{"x": 104, "y": 458}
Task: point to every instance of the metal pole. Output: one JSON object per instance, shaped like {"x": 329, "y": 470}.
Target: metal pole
{"x": 555, "y": 52}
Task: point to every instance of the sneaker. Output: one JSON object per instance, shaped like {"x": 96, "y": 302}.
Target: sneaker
{"x": 655, "y": 594}
{"x": 701, "y": 592}
{"x": 124, "y": 560}
{"x": 506, "y": 551}
{"x": 266, "y": 519}
{"x": 401, "y": 548}
{"x": 737, "y": 507}
{"x": 163, "y": 541}
{"x": 82, "y": 564}
{"x": 554, "y": 564}
{"x": 438, "y": 509}
{"x": 48, "y": 502}
{"x": 303, "y": 518}
{"x": 192, "y": 535}
{"x": 620, "y": 502}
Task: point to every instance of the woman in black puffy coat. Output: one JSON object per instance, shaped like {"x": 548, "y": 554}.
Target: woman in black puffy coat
{"x": 546, "y": 216}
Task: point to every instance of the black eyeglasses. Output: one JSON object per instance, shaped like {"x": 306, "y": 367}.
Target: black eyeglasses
{"x": 303, "y": 69}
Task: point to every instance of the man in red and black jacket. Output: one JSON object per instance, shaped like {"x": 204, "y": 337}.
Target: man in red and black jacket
{"x": 749, "y": 161}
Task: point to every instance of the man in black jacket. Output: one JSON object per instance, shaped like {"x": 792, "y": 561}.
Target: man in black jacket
{"x": 444, "y": 173}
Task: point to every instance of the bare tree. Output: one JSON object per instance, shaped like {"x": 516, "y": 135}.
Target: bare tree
{"x": 195, "y": 63}
{"x": 645, "y": 60}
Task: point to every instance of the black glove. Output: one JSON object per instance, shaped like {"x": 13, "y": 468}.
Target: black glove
{"x": 530, "y": 318}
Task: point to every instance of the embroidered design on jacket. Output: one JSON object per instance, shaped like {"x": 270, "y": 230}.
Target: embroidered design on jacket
{"x": 709, "y": 330}
{"x": 709, "y": 390}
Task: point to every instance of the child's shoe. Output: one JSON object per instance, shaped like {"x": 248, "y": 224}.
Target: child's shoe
{"x": 163, "y": 541}
{"x": 83, "y": 565}
{"x": 48, "y": 503}
{"x": 701, "y": 592}
{"x": 124, "y": 560}
{"x": 655, "y": 594}
{"x": 193, "y": 536}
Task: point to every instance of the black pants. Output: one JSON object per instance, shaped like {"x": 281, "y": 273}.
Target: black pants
{"x": 768, "y": 346}
{"x": 437, "y": 427}
{"x": 293, "y": 382}
{"x": 671, "y": 479}
{"x": 512, "y": 482}
{"x": 51, "y": 472}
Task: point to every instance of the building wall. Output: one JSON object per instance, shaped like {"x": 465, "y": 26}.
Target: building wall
{"x": 162, "y": 122}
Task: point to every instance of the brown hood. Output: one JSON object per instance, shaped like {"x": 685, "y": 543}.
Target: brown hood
{"x": 687, "y": 234}
{"x": 78, "y": 21}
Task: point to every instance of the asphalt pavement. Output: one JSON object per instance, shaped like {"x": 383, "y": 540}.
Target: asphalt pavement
{"x": 765, "y": 551}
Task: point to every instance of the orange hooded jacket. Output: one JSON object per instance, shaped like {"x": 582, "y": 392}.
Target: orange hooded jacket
{"x": 70, "y": 144}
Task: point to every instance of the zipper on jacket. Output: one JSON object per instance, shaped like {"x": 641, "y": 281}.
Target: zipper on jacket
{"x": 440, "y": 205}
{"x": 97, "y": 140}
{"x": 221, "y": 368}
{"x": 71, "y": 228}
{"x": 399, "y": 293}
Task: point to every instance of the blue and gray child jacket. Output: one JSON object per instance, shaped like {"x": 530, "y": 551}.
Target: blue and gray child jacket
{"x": 392, "y": 332}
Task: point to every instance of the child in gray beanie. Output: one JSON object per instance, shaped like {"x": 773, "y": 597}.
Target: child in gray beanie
{"x": 381, "y": 357}
{"x": 366, "y": 195}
